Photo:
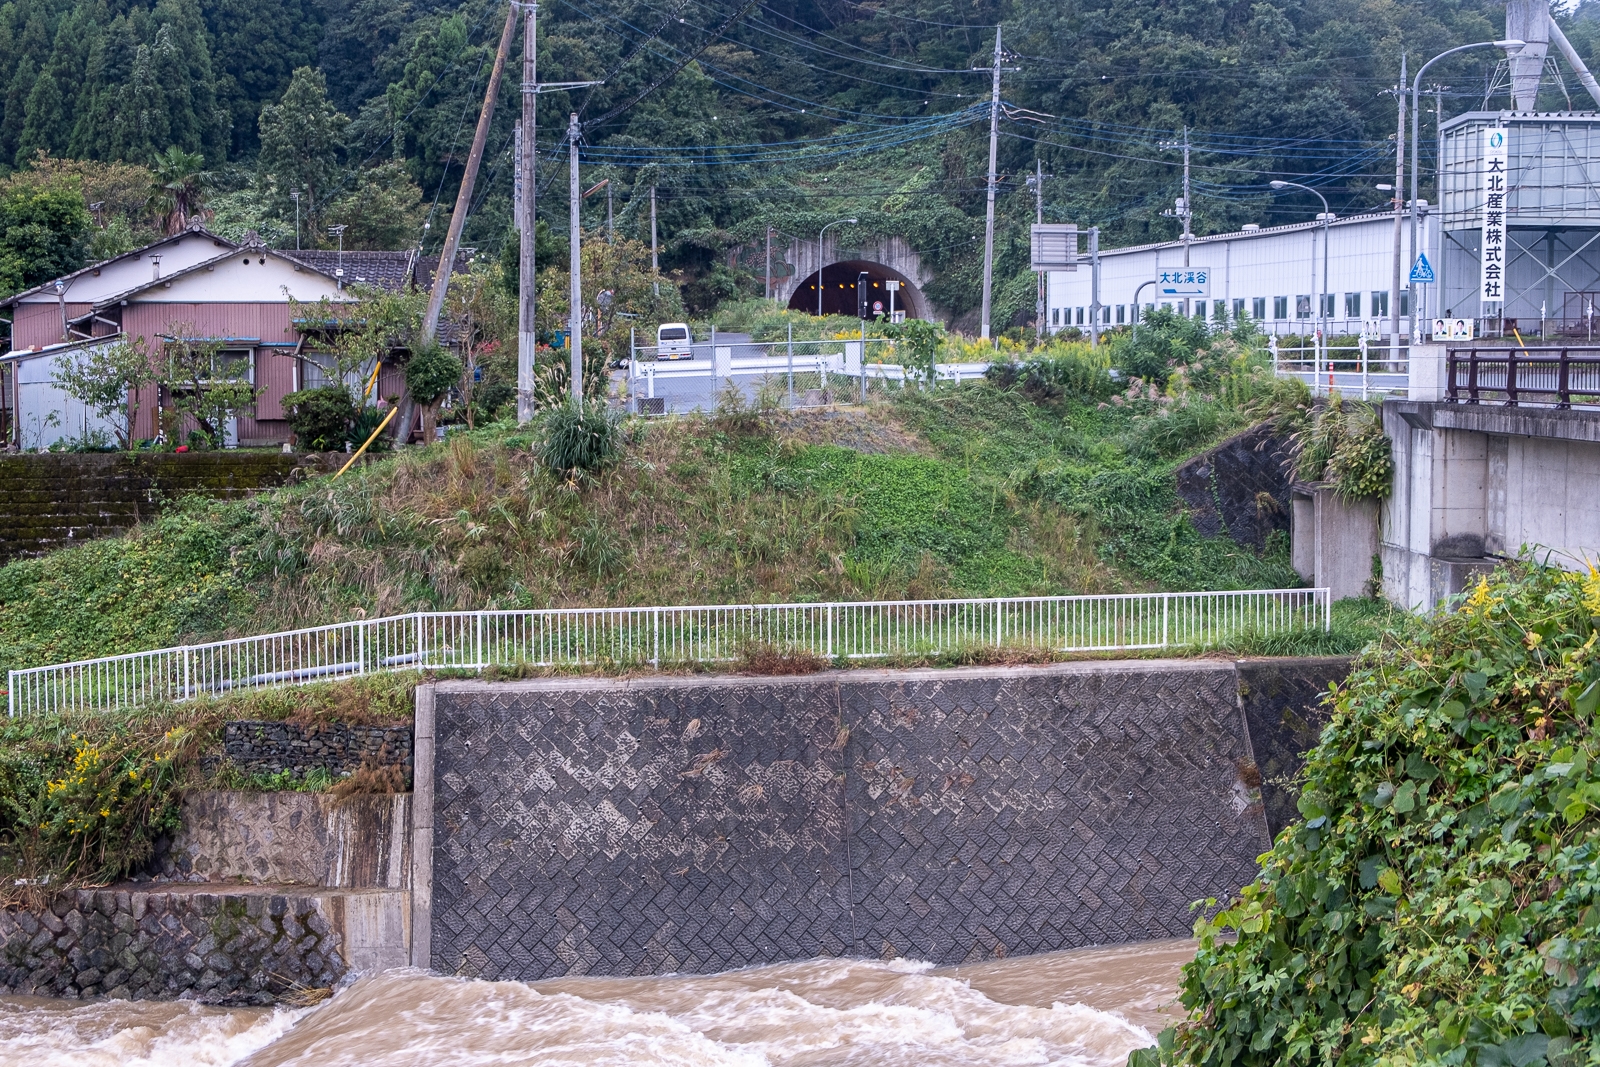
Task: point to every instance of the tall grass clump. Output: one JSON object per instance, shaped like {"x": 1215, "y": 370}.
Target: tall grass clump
{"x": 581, "y": 438}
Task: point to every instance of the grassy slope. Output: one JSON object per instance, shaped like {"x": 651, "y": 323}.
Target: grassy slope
{"x": 975, "y": 492}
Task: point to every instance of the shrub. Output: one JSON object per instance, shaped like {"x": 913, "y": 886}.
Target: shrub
{"x": 1439, "y": 899}
{"x": 1344, "y": 444}
{"x": 320, "y": 418}
{"x": 581, "y": 437}
{"x": 1051, "y": 377}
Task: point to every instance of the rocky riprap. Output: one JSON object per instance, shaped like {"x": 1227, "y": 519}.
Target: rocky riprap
{"x": 232, "y": 947}
{"x": 261, "y": 747}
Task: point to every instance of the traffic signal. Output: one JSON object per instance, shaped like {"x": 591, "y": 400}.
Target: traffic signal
{"x": 863, "y": 301}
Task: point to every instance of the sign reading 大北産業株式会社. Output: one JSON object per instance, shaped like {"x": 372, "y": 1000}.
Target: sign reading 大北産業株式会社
{"x": 1492, "y": 249}
{"x": 1185, "y": 282}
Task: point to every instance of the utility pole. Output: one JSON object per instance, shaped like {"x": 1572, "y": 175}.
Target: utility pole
{"x": 988, "y": 225}
{"x": 769, "y": 263}
{"x": 1183, "y": 209}
{"x": 1094, "y": 286}
{"x": 1039, "y": 216}
{"x": 527, "y": 222}
{"x": 1399, "y": 202}
{"x": 611, "y": 229}
{"x": 575, "y": 262}
{"x": 458, "y": 217}
{"x": 655, "y": 263}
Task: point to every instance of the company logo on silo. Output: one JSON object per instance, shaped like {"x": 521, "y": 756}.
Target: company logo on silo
{"x": 1496, "y": 139}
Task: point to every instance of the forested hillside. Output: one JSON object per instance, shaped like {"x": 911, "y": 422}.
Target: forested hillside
{"x": 743, "y": 113}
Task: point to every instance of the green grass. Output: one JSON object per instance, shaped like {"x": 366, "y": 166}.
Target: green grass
{"x": 971, "y": 491}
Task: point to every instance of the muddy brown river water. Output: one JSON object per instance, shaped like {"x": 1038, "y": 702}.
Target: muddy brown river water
{"x": 1085, "y": 1007}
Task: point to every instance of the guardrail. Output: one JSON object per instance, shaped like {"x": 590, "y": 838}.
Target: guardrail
{"x": 1365, "y": 369}
{"x": 1522, "y": 376}
{"x": 578, "y": 637}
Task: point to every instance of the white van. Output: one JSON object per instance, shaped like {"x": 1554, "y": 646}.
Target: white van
{"x": 674, "y": 341}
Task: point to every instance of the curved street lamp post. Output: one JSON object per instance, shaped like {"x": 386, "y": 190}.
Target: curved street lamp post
{"x": 821, "y": 257}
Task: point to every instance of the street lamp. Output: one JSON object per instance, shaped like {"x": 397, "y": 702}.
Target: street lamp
{"x": 1327, "y": 216}
{"x": 1512, "y": 46}
{"x": 820, "y": 257}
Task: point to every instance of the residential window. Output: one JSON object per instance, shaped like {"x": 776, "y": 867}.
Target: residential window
{"x": 1302, "y": 306}
{"x": 1280, "y": 307}
{"x": 1258, "y": 308}
{"x": 1380, "y": 303}
{"x": 1352, "y": 305}
{"x": 1328, "y": 302}
{"x": 1121, "y": 308}
{"x": 1238, "y": 307}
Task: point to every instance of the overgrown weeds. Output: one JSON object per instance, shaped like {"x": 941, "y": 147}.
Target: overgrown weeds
{"x": 767, "y": 659}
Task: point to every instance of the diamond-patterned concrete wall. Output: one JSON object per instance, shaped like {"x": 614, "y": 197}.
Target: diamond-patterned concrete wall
{"x": 697, "y": 824}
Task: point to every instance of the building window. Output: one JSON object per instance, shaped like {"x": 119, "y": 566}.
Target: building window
{"x": 1280, "y": 307}
{"x": 1302, "y": 306}
{"x": 1055, "y": 316}
{"x": 1328, "y": 302}
{"x": 1405, "y": 303}
{"x": 1199, "y": 309}
{"x": 1380, "y": 304}
{"x": 1080, "y": 316}
{"x": 1120, "y": 309}
{"x": 1352, "y": 305}
{"x": 1105, "y": 315}
{"x": 1258, "y": 308}
{"x": 1238, "y": 307}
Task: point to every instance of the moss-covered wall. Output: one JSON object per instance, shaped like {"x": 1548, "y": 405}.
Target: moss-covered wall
{"x": 48, "y": 501}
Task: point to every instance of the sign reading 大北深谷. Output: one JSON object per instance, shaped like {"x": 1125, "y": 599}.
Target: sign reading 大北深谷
{"x": 1492, "y": 250}
{"x": 1183, "y": 283}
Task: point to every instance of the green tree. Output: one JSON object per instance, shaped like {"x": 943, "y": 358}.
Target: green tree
{"x": 431, "y": 372}
{"x": 178, "y": 188}
{"x": 302, "y": 142}
{"x": 205, "y": 388}
{"x": 44, "y": 231}
{"x": 107, "y": 379}
{"x": 384, "y": 211}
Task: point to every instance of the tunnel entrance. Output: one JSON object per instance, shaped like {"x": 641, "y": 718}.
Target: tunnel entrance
{"x": 838, "y": 297}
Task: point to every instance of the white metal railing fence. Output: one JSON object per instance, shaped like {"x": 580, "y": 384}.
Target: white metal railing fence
{"x": 578, "y": 637}
{"x": 1364, "y": 368}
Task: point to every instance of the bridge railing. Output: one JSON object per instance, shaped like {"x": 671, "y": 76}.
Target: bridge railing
{"x": 657, "y": 636}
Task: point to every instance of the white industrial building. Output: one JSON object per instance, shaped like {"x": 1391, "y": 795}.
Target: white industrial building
{"x": 1273, "y": 275}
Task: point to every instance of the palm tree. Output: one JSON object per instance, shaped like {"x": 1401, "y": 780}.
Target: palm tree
{"x": 178, "y": 190}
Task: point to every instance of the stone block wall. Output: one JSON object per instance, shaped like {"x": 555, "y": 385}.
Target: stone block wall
{"x": 181, "y": 942}
{"x": 261, "y": 747}
{"x": 1240, "y": 488}
{"x": 58, "y": 499}
{"x": 698, "y": 824}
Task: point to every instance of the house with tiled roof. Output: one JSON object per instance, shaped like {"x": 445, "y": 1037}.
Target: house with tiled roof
{"x": 200, "y": 286}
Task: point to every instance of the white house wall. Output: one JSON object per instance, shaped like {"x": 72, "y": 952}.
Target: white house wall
{"x": 46, "y": 414}
{"x": 121, "y": 275}
{"x": 244, "y": 277}
{"x": 1268, "y": 265}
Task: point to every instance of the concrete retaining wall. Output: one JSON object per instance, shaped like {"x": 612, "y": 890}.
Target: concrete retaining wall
{"x": 636, "y": 827}
{"x": 59, "y": 499}
{"x": 257, "y": 894}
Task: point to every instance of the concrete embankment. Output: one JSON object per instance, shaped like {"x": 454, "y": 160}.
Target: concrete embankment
{"x": 640, "y": 826}
{"x": 258, "y": 895}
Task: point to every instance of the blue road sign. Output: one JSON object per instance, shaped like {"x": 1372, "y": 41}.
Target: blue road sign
{"x": 1422, "y": 270}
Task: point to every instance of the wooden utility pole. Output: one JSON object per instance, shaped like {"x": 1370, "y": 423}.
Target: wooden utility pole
{"x": 988, "y": 226}
{"x": 458, "y": 217}
{"x": 655, "y": 264}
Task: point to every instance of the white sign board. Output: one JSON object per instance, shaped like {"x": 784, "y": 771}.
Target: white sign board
{"x": 1492, "y": 250}
{"x": 1453, "y": 329}
{"x": 1183, "y": 284}
{"x": 1055, "y": 246}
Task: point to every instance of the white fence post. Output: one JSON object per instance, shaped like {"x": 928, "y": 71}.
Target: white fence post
{"x": 704, "y": 633}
